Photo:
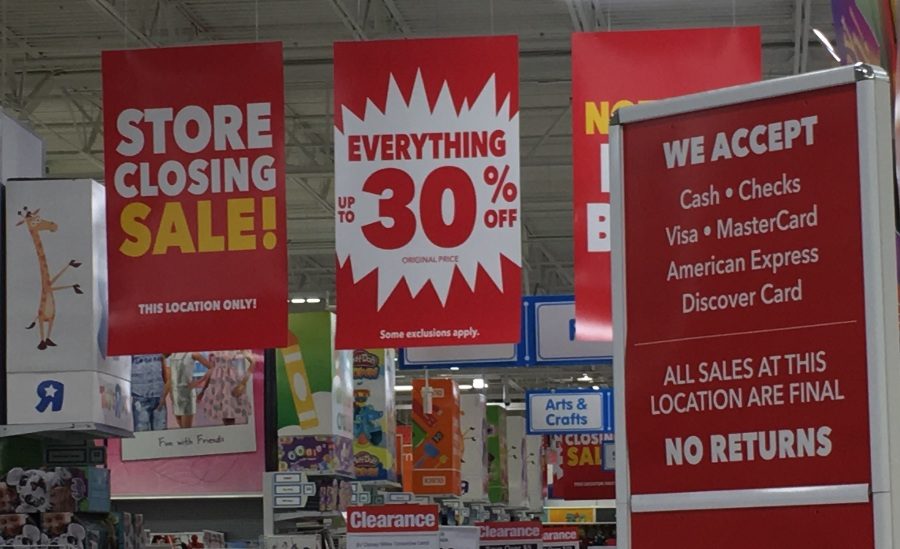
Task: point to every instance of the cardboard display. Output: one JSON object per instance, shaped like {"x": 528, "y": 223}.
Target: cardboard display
{"x": 473, "y": 421}
{"x": 374, "y": 424}
{"x": 437, "y": 439}
{"x": 517, "y": 459}
{"x": 315, "y": 398}
{"x": 497, "y": 446}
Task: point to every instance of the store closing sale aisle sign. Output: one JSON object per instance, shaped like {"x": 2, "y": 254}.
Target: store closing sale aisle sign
{"x": 755, "y": 378}
{"x": 427, "y": 192}
{"x": 611, "y": 70}
{"x": 194, "y": 155}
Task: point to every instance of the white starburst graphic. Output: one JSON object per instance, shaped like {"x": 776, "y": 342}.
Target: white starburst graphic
{"x": 421, "y": 261}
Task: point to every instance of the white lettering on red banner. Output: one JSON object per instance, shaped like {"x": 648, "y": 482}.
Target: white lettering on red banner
{"x": 393, "y": 518}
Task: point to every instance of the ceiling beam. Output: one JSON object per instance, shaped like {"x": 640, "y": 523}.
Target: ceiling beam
{"x": 103, "y": 6}
{"x": 395, "y": 16}
{"x": 355, "y": 29}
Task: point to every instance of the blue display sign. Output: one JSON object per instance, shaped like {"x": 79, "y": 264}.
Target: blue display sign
{"x": 548, "y": 338}
{"x": 551, "y": 412}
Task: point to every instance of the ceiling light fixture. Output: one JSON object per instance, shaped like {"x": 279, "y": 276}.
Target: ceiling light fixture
{"x": 298, "y": 301}
{"x": 479, "y": 383}
{"x": 313, "y": 300}
{"x": 465, "y": 387}
{"x": 585, "y": 378}
{"x": 403, "y": 388}
{"x": 596, "y": 387}
{"x": 454, "y": 368}
{"x": 827, "y": 43}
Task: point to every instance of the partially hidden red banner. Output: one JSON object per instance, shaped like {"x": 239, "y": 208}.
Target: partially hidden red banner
{"x": 579, "y": 472}
{"x": 611, "y": 70}
{"x": 194, "y": 155}
{"x": 427, "y": 192}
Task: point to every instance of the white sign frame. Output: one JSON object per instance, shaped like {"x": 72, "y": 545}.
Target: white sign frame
{"x": 880, "y": 279}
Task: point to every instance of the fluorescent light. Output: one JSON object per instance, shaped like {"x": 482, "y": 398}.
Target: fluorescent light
{"x": 479, "y": 383}
{"x": 403, "y": 388}
{"x": 596, "y": 387}
{"x": 313, "y": 300}
{"x": 827, "y": 43}
{"x": 298, "y": 300}
{"x": 465, "y": 387}
{"x": 585, "y": 378}
{"x": 454, "y": 368}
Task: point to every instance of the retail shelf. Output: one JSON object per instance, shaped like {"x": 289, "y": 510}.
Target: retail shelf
{"x": 65, "y": 431}
{"x": 380, "y": 484}
{"x": 298, "y": 515}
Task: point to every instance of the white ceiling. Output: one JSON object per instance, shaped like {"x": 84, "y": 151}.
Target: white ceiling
{"x": 50, "y": 78}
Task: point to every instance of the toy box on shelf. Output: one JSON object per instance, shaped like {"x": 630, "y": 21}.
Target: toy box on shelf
{"x": 374, "y": 423}
{"x": 437, "y": 437}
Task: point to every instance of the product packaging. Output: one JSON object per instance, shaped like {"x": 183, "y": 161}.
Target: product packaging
{"x": 516, "y": 459}
{"x": 437, "y": 439}
{"x": 59, "y": 489}
{"x": 56, "y": 307}
{"x": 314, "y": 399}
{"x": 473, "y": 420}
{"x": 374, "y": 424}
{"x": 498, "y": 484}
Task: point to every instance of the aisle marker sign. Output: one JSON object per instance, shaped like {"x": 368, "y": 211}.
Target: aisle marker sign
{"x": 569, "y": 411}
{"x": 611, "y": 70}
{"x": 753, "y": 377}
{"x": 427, "y": 192}
{"x": 395, "y": 525}
{"x": 194, "y": 163}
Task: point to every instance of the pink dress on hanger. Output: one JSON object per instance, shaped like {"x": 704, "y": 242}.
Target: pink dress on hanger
{"x": 219, "y": 402}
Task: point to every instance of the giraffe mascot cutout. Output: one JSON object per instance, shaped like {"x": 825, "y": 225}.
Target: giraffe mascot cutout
{"x": 46, "y": 313}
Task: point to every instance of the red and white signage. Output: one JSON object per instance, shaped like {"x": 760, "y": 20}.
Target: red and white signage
{"x": 427, "y": 192}
{"x": 750, "y": 371}
{"x": 523, "y": 535}
{"x": 561, "y": 537}
{"x": 611, "y": 70}
{"x": 194, "y": 154}
{"x": 412, "y": 517}
{"x": 580, "y": 471}
{"x": 398, "y": 525}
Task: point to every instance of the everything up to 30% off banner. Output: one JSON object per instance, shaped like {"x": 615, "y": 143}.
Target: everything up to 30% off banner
{"x": 427, "y": 192}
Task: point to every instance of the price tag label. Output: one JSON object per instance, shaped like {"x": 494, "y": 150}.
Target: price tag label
{"x": 427, "y": 193}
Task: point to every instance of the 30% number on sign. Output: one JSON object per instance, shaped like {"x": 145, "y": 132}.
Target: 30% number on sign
{"x": 399, "y": 220}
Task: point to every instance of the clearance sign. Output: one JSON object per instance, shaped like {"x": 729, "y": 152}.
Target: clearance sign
{"x": 194, "y": 154}
{"x": 397, "y": 525}
{"x": 611, "y": 70}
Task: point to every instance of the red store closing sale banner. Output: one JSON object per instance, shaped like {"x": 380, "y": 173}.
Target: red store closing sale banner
{"x": 427, "y": 192}
{"x": 194, "y": 154}
{"x": 756, "y": 374}
{"x": 611, "y": 70}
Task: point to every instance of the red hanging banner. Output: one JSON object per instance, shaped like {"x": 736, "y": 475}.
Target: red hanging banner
{"x": 194, "y": 155}
{"x": 427, "y": 192}
{"x": 611, "y": 70}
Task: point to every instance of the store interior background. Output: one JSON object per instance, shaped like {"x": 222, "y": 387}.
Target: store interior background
{"x": 50, "y": 80}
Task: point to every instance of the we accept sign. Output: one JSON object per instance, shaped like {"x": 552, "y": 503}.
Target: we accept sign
{"x": 194, "y": 151}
